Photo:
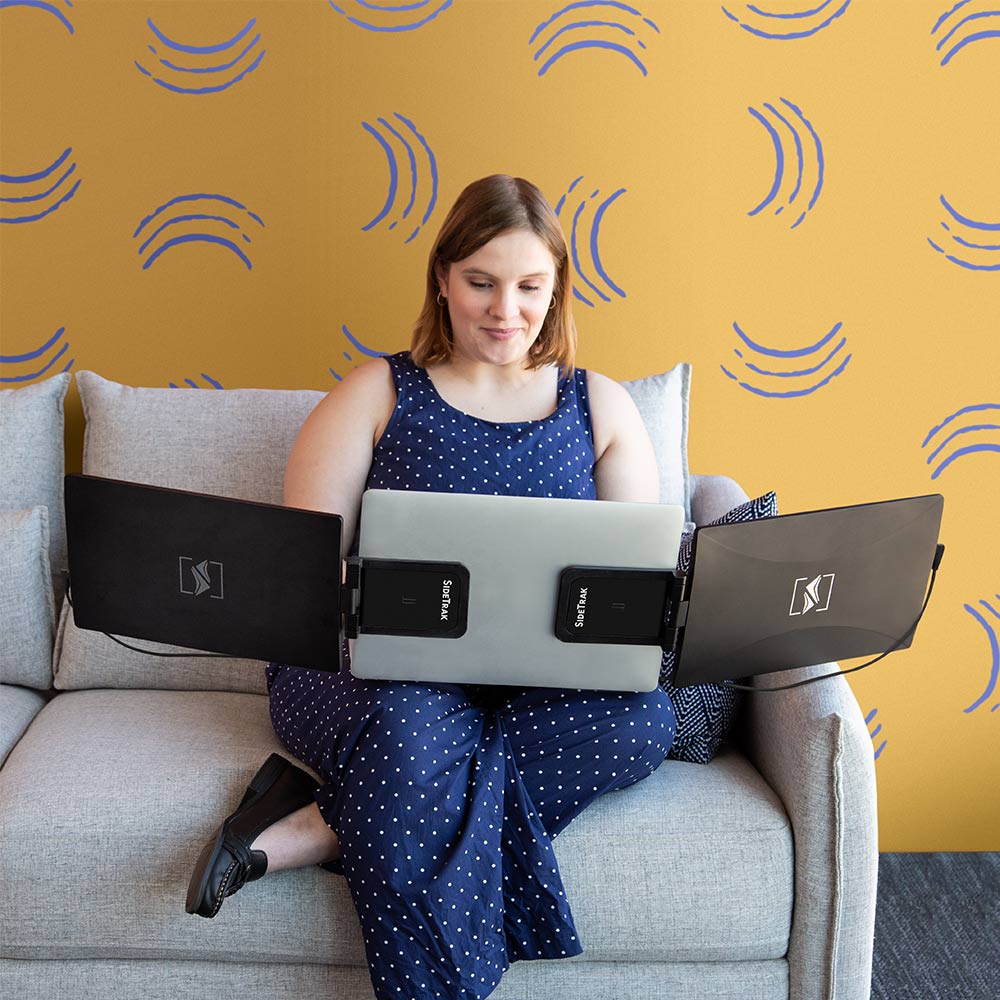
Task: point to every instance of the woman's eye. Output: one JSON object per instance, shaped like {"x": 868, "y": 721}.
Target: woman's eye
{"x": 480, "y": 284}
{"x": 530, "y": 288}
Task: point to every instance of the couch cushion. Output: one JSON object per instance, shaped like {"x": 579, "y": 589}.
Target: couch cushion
{"x": 663, "y": 402}
{"x": 31, "y": 458}
{"x": 27, "y": 604}
{"x": 18, "y": 706}
{"x": 232, "y": 443}
{"x": 110, "y": 795}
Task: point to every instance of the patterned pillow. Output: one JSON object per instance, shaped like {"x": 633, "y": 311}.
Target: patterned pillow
{"x": 705, "y": 712}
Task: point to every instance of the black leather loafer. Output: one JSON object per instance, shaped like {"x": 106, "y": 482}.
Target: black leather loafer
{"x": 227, "y": 861}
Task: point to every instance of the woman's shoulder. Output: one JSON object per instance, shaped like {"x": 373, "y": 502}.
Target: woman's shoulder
{"x": 606, "y": 392}
{"x": 367, "y": 389}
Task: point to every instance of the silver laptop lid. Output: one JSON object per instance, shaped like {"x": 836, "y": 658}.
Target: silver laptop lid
{"x": 514, "y": 549}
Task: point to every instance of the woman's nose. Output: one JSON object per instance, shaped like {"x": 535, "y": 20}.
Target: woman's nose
{"x": 504, "y": 303}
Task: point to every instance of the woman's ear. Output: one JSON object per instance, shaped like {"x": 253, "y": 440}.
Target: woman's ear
{"x": 442, "y": 278}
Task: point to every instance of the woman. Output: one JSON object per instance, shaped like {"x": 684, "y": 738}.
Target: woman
{"x": 441, "y": 800}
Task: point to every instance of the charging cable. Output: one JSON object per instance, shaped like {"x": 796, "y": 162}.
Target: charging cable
{"x": 938, "y": 555}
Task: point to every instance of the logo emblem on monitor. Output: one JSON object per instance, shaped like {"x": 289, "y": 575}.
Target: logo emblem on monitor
{"x": 199, "y": 578}
{"x": 812, "y": 595}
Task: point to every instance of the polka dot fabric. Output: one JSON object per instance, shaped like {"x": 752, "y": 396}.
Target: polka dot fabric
{"x": 429, "y": 445}
{"x": 446, "y": 798}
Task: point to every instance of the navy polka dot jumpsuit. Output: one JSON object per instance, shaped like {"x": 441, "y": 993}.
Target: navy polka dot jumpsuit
{"x": 446, "y": 797}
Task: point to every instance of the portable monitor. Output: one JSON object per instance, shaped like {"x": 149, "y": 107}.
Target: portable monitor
{"x": 210, "y": 573}
{"x": 805, "y": 588}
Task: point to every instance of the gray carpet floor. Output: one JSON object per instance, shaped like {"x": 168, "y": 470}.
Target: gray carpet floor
{"x": 937, "y": 927}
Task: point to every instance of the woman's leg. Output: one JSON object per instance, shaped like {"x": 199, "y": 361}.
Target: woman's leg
{"x": 572, "y": 746}
{"x": 415, "y": 792}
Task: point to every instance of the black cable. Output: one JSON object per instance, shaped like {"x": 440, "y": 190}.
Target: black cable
{"x": 938, "y": 554}
{"x": 153, "y": 652}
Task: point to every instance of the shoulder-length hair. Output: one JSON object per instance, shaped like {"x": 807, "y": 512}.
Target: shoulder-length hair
{"x": 485, "y": 209}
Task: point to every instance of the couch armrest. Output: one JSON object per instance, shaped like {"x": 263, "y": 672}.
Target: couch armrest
{"x": 713, "y": 496}
{"x": 812, "y": 746}
{"x": 18, "y": 706}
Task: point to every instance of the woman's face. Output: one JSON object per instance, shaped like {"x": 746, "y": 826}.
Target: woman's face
{"x": 498, "y": 297}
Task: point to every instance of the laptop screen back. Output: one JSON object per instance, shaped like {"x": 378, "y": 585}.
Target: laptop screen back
{"x": 806, "y": 588}
{"x": 205, "y": 572}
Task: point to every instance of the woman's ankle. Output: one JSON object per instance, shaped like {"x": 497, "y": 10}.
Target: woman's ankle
{"x": 300, "y": 839}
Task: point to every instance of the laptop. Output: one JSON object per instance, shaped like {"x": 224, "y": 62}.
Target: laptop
{"x": 805, "y": 588}
{"x": 515, "y": 551}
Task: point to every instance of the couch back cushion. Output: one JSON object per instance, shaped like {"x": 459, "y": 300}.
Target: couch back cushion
{"x": 236, "y": 443}
{"x": 27, "y": 603}
{"x": 31, "y": 457}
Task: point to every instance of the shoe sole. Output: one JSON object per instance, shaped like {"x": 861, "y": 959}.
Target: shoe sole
{"x": 260, "y": 783}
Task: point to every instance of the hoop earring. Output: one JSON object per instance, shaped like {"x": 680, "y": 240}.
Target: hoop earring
{"x": 441, "y": 299}
{"x": 552, "y": 304}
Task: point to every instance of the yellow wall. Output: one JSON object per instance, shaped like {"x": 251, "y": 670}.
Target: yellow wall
{"x": 663, "y": 116}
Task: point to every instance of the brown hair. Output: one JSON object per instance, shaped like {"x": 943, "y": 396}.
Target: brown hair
{"x": 485, "y": 209}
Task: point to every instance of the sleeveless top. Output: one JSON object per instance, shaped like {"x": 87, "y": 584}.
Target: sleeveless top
{"x": 430, "y": 445}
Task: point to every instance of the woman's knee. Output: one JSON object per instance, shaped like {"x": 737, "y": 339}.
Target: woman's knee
{"x": 649, "y": 720}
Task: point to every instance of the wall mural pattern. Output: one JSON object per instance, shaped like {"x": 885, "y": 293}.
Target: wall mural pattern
{"x": 585, "y": 253}
{"x": 425, "y": 172}
{"x": 282, "y": 168}
{"x": 808, "y": 161}
{"x": 991, "y": 634}
{"x": 32, "y": 204}
{"x": 805, "y": 380}
{"x": 203, "y": 79}
{"x": 579, "y": 35}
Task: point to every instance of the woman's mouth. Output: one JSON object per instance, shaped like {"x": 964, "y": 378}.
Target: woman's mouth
{"x": 501, "y": 333}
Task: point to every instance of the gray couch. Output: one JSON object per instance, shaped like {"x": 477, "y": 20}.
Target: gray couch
{"x": 751, "y": 877}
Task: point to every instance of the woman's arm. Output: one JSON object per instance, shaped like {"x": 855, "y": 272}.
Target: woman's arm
{"x": 329, "y": 462}
{"x": 625, "y": 466}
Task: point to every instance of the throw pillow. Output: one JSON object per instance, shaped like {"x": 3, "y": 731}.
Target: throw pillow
{"x": 705, "y": 712}
{"x": 27, "y": 604}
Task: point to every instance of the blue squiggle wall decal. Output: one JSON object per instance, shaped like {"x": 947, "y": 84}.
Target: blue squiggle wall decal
{"x": 366, "y": 352}
{"x": 32, "y": 359}
{"x": 214, "y": 383}
{"x": 404, "y": 135}
{"x": 788, "y": 26}
{"x": 969, "y": 449}
{"x": 390, "y": 17}
{"x": 982, "y": 25}
{"x": 874, "y": 732}
{"x": 594, "y": 31}
{"x": 585, "y": 250}
{"x": 195, "y": 237}
{"x": 808, "y": 150}
{"x": 51, "y": 194}
{"x": 991, "y": 634}
{"x": 202, "y": 71}
{"x": 986, "y": 260}
{"x": 806, "y": 380}
{"x": 48, "y": 8}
